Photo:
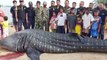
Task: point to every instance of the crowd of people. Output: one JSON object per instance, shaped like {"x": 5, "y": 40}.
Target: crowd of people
{"x": 89, "y": 21}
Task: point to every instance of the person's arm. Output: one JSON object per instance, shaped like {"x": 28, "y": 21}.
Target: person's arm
{"x": 83, "y": 21}
{"x": 1, "y": 23}
{"x": 26, "y": 15}
{"x": 34, "y": 11}
{"x": 11, "y": 11}
{"x": 100, "y": 22}
{"x": 91, "y": 21}
{"x": 50, "y": 21}
{"x": 16, "y": 14}
{"x": 65, "y": 22}
{"x": 48, "y": 14}
{"x": 68, "y": 23}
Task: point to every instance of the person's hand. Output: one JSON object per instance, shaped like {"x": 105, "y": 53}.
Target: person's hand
{"x": 98, "y": 19}
{"x": 27, "y": 21}
{"x": 16, "y": 20}
{"x": 88, "y": 27}
{"x": 98, "y": 30}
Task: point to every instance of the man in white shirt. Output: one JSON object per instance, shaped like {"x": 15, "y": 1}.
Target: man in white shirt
{"x": 87, "y": 21}
{"x": 61, "y": 21}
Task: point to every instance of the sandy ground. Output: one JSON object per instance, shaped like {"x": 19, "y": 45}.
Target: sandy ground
{"x": 70, "y": 56}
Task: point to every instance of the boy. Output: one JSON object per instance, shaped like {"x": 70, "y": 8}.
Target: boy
{"x": 87, "y": 21}
{"x": 72, "y": 20}
{"x": 61, "y": 21}
{"x": 5, "y": 27}
{"x": 95, "y": 29}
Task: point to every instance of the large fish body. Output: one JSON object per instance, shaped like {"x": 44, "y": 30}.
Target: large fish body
{"x": 35, "y": 42}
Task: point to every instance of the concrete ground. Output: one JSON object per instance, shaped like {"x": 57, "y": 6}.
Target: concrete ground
{"x": 6, "y": 55}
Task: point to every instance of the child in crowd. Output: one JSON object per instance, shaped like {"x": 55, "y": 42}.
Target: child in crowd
{"x": 72, "y": 18}
{"x": 105, "y": 28}
{"x": 62, "y": 17}
{"x": 5, "y": 27}
{"x": 53, "y": 22}
{"x": 95, "y": 28}
{"x": 79, "y": 24}
{"x": 87, "y": 22}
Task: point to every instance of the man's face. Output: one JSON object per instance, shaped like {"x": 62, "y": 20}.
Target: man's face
{"x": 101, "y": 5}
{"x": 81, "y": 4}
{"x": 21, "y": 3}
{"x": 38, "y": 5}
{"x": 73, "y": 5}
{"x": 52, "y": 3}
{"x": 30, "y": 5}
{"x": 91, "y": 5}
{"x": 87, "y": 11}
{"x": 58, "y": 2}
{"x": 15, "y": 3}
{"x": 66, "y": 3}
{"x": 44, "y": 5}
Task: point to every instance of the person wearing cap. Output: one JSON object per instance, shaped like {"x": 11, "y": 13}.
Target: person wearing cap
{"x": 13, "y": 11}
{"x": 39, "y": 16}
{"x": 21, "y": 16}
{"x": 45, "y": 16}
{"x": 87, "y": 22}
{"x": 30, "y": 16}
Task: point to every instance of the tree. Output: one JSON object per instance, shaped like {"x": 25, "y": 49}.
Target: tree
{"x": 104, "y": 1}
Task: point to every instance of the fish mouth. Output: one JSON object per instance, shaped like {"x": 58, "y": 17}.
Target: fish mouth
{"x": 9, "y": 48}
{"x": 9, "y": 43}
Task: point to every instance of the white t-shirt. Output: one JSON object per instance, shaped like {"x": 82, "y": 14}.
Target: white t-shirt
{"x": 87, "y": 20}
{"x": 61, "y": 19}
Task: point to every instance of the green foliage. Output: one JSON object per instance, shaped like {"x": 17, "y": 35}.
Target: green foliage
{"x": 104, "y": 1}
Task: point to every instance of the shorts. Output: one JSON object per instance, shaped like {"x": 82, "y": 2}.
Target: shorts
{"x": 14, "y": 22}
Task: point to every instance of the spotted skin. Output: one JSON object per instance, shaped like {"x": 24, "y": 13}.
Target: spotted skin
{"x": 36, "y": 42}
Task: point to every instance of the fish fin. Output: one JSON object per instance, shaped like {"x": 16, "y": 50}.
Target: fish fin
{"x": 33, "y": 54}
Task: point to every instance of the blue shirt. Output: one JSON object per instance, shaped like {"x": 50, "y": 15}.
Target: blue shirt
{"x": 95, "y": 26}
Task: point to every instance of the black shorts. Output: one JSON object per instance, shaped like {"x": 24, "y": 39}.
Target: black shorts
{"x": 14, "y": 22}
